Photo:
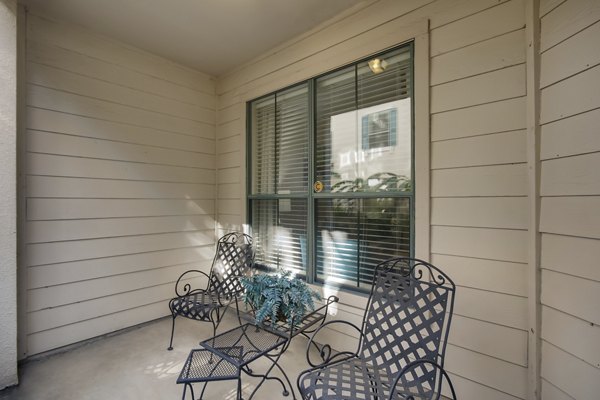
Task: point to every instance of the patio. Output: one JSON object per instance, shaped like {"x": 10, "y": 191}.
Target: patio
{"x": 135, "y": 364}
{"x": 126, "y": 152}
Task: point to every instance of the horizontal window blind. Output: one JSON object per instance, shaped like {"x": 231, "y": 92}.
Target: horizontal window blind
{"x": 292, "y": 140}
{"x": 335, "y": 95}
{"x": 342, "y": 198}
{"x": 279, "y": 227}
{"x": 393, "y": 83}
{"x": 279, "y": 134}
{"x": 264, "y": 149}
{"x": 354, "y": 235}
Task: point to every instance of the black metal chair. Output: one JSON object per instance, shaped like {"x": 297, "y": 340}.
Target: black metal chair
{"x": 402, "y": 341}
{"x": 234, "y": 258}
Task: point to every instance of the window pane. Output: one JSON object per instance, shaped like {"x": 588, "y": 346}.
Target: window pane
{"x": 391, "y": 84}
{"x": 361, "y": 153}
{"x": 364, "y": 126}
{"x": 292, "y": 140}
{"x": 335, "y": 95}
{"x": 384, "y": 112}
{"x": 264, "y": 151}
{"x": 280, "y": 129}
{"x": 279, "y": 232}
{"x": 354, "y": 235}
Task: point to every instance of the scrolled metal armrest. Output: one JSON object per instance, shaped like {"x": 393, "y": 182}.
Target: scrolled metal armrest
{"x": 187, "y": 288}
{"x": 412, "y": 365}
{"x": 325, "y": 350}
{"x": 325, "y": 307}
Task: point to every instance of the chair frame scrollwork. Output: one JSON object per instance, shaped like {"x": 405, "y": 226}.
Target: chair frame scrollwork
{"x": 234, "y": 258}
{"x": 401, "y": 341}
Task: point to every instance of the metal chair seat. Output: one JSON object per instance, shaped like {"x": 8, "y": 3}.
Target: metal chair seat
{"x": 234, "y": 258}
{"x": 198, "y": 306}
{"x": 402, "y": 340}
{"x": 350, "y": 379}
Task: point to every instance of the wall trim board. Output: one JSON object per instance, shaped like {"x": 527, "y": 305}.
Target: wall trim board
{"x": 22, "y": 270}
{"x": 9, "y": 64}
{"x": 534, "y": 348}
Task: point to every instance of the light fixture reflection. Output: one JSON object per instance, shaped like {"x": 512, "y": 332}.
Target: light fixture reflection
{"x": 377, "y": 65}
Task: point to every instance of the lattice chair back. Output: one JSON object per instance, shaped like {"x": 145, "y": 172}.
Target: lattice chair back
{"x": 233, "y": 259}
{"x": 407, "y": 318}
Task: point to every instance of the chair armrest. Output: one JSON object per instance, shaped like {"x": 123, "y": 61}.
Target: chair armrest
{"x": 325, "y": 350}
{"x": 187, "y": 288}
{"x": 416, "y": 363}
{"x": 307, "y": 323}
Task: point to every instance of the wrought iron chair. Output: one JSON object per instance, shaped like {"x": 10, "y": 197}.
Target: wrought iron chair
{"x": 234, "y": 258}
{"x": 402, "y": 342}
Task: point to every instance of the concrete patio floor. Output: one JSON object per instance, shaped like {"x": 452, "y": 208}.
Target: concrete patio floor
{"x": 135, "y": 364}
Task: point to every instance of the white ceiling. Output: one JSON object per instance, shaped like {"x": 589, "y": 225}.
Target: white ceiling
{"x": 213, "y": 36}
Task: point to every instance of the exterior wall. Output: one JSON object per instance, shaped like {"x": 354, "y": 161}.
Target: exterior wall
{"x": 570, "y": 191}
{"x": 8, "y": 188}
{"x": 478, "y": 165}
{"x": 119, "y": 166}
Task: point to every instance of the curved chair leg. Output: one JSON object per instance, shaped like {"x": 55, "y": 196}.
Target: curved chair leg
{"x": 237, "y": 310}
{"x": 172, "y": 332}
{"x": 185, "y": 390}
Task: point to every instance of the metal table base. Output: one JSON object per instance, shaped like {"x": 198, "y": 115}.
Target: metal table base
{"x": 227, "y": 355}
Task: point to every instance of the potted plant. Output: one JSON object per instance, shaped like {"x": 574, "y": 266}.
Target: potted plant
{"x": 278, "y": 297}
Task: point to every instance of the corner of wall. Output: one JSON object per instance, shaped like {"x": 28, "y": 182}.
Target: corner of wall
{"x": 8, "y": 228}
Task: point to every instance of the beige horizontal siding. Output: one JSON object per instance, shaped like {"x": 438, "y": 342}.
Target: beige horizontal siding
{"x": 571, "y": 255}
{"x": 75, "y": 125}
{"x": 479, "y": 120}
{"x": 571, "y": 136}
{"x": 493, "y": 86}
{"x": 567, "y": 19}
{"x": 478, "y": 187}
{"x": 582, "y": 380}
{"x": 570, "y": 57}
{"x": 76, "y": 167}
{"x": 489, "y": 181}
{"x": 39, "y": 342}
{"x": 572, "y": 215}
{"x": 547, "y": 6}
{"x": 490, "y": 275}
{"x": 491, "y": 372}
{"x": 570, "y": 190}
{"x": 120, "y": 183}
{"x": 491, "y": 22}
{"x": 496, "y": 53}
{"x": 73, "y": 250}
{"x": 551, "y": 392}
{"x": 560, "y": 328}
{"x": 87, "y": 44}
{"x": 478, "y": 177}
{"x": 54, "y": 208}
{"x": 80, "y": 270}
{"x": 572, "y": 96}
{"x": 573, "y": 176}
{"x": 572, "y": 295}
{"x": 492, "y": 149}
{"x": 481, "y": 212}
{"x": 92, "y": 66}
